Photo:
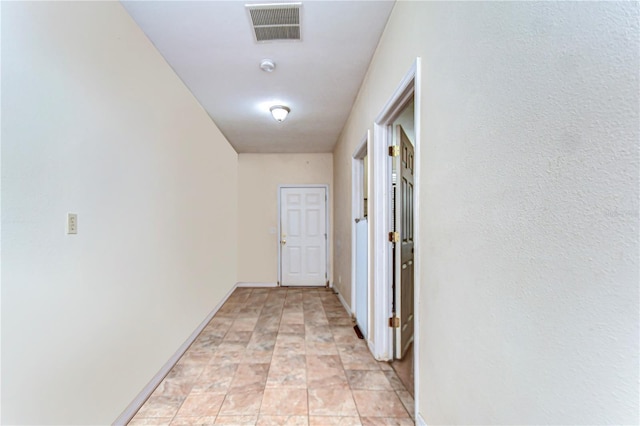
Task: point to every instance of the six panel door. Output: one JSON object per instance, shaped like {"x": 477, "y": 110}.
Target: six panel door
{"x": 303, "y": 236}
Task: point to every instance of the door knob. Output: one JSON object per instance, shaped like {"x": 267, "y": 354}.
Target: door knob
{"x": 283, "y": 241}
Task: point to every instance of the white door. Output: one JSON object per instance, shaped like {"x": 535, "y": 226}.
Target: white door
{"x": 404, "y": 250}
{"x": 362, "y": 280}
{"x": 303, "y": 236}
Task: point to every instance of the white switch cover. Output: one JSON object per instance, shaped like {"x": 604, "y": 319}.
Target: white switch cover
{"x": 72, "y": 223}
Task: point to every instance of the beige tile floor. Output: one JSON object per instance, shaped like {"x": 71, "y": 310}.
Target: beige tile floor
{"x": 404, "y": 369}
{"x": 278, "y": 356}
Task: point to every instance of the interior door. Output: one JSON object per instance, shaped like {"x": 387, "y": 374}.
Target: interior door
{"x": 303, "y": 236}
{"x": 362, "y": 280}
{"x": 404, "y": 218}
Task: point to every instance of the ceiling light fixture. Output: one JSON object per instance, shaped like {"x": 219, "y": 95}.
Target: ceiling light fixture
{"x": 267, "y": 65}
{"x": 279, "y": 112}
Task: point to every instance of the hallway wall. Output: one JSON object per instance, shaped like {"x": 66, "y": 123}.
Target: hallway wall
{"x": 258, "y": 178}
{"x": 529, "y": 206}
{"x": 96, "y": 123}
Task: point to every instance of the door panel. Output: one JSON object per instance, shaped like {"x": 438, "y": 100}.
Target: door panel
{"x": 313, "y": 257}
{"x": 404, "y": 292}
{"x": 303, "y": 239}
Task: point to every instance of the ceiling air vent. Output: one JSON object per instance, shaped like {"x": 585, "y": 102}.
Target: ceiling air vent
{"x": 275, "y": 21}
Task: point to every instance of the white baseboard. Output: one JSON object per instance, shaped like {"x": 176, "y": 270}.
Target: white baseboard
{"x": 257, "y": 285}
{"x": 346, "y": 307}
{"x": 420, "y": 421}
{"x": 371, "y": 346}
{"x": 146, "y": 392}
{"x": 344, "y": 303}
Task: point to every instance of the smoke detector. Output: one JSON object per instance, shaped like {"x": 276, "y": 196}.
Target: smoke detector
{"x": 275, "y": 21}
{"x": 267, "y": 65}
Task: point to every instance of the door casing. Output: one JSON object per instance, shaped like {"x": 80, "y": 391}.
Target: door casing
{"x": 327, "y": 223}
{"x": 380, "y": 211}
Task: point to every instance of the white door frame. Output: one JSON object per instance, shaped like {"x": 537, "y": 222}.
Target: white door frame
{"x": 357, "y": 206}
{"x": 381, "y": 212}
{"x": 328, "y": 241}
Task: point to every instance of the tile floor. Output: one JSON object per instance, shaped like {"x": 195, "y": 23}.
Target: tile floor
{"x": 278, "y": 356}
{"x": 404, "y": 369}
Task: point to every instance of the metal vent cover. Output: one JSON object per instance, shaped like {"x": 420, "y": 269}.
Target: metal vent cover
{"x": 275, "y": 21}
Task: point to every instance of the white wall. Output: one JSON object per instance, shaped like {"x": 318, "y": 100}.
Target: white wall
{"x": 96, "y": 123}
{"x": 258, "y": 178}
{"x": 529, "y": 206}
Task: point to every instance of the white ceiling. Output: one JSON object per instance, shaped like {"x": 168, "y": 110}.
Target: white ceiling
{"x": 211, "y": 47}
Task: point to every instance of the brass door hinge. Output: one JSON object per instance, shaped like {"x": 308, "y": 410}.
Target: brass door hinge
{"x": 394, "y": 322}
{"x": 394, "y": 151}
{"x": 394, "y": 237}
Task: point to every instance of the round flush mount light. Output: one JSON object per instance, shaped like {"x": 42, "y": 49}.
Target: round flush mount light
{"x": 267, "y": 65}
{"x": 279, "y": 112}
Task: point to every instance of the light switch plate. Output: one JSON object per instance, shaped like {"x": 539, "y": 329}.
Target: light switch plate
{"x": 72, "y": 223}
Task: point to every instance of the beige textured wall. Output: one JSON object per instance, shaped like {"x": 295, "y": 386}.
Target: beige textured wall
{"x": 258, "y": 178}
{"x": 96, "y": 123}
{"x": 529, "y": 206}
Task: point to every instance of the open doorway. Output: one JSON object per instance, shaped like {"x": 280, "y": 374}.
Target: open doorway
{"x": 402, "y": 205}
{"x": 360, "y": 294}
{"x": 389, "y": 318}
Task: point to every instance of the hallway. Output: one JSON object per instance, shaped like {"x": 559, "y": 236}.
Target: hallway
{"x": 278, "y": 356}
